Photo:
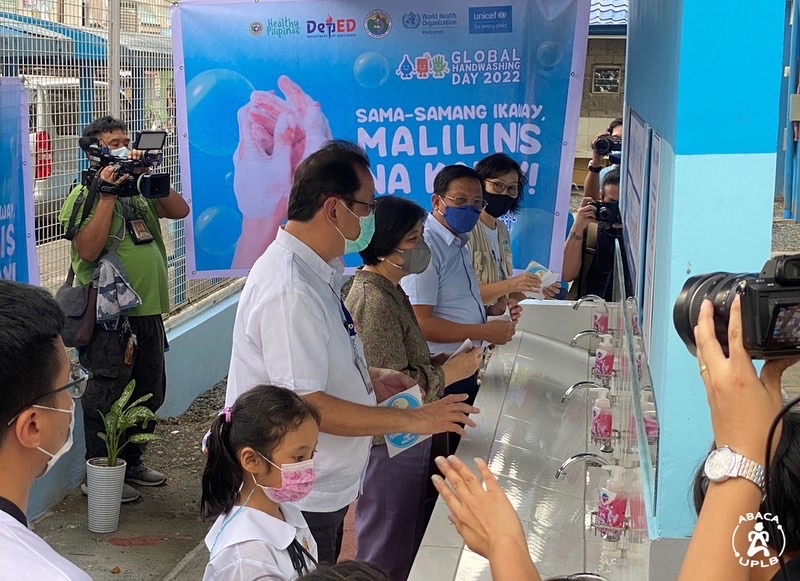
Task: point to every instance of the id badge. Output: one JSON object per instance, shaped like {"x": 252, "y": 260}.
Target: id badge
{"x": 361, "y": 365}
{"x": 140, "y": 233}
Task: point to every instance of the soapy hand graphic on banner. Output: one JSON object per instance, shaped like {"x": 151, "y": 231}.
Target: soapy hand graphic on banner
{"x": 275, "y": 135}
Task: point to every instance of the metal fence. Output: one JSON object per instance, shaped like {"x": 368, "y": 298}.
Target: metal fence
{"x": 64, "y": 51}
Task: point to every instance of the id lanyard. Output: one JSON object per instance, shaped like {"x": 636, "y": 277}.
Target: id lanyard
{"x": 349, "y": 326}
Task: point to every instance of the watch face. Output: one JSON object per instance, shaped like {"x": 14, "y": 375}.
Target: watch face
{"x": 718, "y": 464}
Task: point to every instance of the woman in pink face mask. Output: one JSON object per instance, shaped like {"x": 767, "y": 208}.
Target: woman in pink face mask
{"x": 260, "y": 460}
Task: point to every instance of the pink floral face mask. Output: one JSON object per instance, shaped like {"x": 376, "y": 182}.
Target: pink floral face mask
{"x": 297, "y": 480}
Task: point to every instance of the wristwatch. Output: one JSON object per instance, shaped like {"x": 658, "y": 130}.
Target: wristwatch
{"x": 594, "y": 169}
{"x": 724, "y": 463}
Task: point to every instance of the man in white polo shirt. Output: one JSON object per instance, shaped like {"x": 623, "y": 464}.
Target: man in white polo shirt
{"x": 38, "y": 387}
{"x": 293, "y": 330}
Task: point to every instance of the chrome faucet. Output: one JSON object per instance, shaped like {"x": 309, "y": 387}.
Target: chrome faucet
{"x": 579, "y": 385}
{"x": 587, "y": 457}
{"x": 588, "y": 299}
{"x": 586, "y": 333}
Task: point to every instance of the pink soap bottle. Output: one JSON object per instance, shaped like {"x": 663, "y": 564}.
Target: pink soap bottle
{"x": 611, "y": 508}
{"x": 600, "y": 319}
{"x": 638, "y": 516}
{"x": 604, "y": 358}
{"x": 602, "y": 420}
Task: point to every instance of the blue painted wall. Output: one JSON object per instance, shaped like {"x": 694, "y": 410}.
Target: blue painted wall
{"x": 199, "y": 355}
{"x": 716, "y": 106}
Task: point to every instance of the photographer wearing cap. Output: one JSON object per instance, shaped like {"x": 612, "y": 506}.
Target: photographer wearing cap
{"x": 107, "y": 215}
{"x": 589, "y": 250}
{"x": 606, "y": 145}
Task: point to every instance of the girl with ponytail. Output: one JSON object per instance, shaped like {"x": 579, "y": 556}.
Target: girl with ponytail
{"x": 260, "y": 460}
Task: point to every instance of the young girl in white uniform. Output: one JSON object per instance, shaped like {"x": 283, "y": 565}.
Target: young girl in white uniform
{"x": 259, "y": 461}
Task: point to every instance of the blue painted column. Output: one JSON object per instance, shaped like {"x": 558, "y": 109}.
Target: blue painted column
{"x": 716, "y": 108}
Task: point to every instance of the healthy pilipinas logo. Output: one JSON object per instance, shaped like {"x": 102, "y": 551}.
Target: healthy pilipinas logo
{"x": 490, "y": 19}
{"x": 282, "y": 26}
{"x": 378, "y": 23}
{"x": 758, "y": 540}
{"x": 331, "y": 26}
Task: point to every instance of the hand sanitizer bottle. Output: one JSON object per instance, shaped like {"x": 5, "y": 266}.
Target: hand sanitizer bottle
{"x": 602, "y": 420}
{"x": 600, "y": 318}
{"x": 638, "y": 531}
{"x": 611, "y": 509}
{"x": 604, "y": 358}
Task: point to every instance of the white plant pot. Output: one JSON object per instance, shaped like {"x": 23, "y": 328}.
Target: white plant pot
{"x": 105, "y": 494}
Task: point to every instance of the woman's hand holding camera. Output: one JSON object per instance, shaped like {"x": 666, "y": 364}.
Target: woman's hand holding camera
{"x": 743, "y": 405}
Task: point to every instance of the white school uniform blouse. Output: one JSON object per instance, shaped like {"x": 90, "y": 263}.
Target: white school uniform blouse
{"x": 252, "y": 545}
{"x": 289, "y": 332}
{"x": 25, "y": 556}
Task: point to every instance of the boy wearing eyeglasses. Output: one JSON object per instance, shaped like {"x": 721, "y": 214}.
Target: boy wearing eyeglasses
{"x": 38, "y": 388}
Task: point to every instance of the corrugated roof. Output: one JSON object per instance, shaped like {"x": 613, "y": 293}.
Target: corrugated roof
{"x": 608, "y": 13}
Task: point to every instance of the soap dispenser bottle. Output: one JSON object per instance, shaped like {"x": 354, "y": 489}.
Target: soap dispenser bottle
{"x": 637, "y": 353}
{"x": 638, "y": 517}
{"x": 604, "y": 358}
{"x": 602, "y": 420}
{"x": 611, "y": 509}
{"x": 600, "y": 318}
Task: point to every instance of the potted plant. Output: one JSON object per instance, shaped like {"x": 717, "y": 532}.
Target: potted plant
{"x": 105, "y": 476}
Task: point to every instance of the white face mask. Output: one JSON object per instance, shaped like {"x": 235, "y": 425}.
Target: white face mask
{"x": 67, "y": 445}
{"x": 120, "y": 152}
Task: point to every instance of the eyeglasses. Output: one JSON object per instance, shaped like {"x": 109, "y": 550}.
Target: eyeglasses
{"x": 370, "y": 205}
{"x": 460, "y": 202}
{"x": 498, "y": 187}
{"x": 79, "y": 378}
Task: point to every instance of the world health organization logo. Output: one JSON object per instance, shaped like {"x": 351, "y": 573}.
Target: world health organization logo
{"x": 411, "y": 19}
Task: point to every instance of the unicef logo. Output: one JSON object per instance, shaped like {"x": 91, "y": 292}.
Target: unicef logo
{"x": 502, "y": 14}
{"x": 758, "y": 552}
{"x": 411, "y": 19}
{"x": 378, "y": 23}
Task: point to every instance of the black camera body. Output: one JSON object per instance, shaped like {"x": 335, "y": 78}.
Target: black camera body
{"x": 605, "y": 144}
{"x": 607, "y": 212}
{"x": 149, "y": 185}
{"x": 770, "y": 303}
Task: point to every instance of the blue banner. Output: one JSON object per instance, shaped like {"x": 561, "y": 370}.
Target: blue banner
{"x": 17, "y": 240}
{"x": 260, "y": 85}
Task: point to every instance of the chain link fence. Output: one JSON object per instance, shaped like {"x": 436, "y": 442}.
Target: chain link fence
{"x": 63, "y": 50}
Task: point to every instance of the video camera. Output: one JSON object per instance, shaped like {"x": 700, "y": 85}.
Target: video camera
{"x": 150, "y": 185}
{"x": 770, "y": 307}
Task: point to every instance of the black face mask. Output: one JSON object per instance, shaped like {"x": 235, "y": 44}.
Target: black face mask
{"x": 498, "y": 204}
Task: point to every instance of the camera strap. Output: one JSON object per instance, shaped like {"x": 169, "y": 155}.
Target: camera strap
{"x": 578, "y": 288}
{"x": 92, "y": 185}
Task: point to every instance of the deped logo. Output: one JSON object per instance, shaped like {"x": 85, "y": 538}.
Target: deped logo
{"x": 331, "y": 26}
{"x": 759, "y": 543}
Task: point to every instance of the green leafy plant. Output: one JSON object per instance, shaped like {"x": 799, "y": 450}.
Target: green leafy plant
{"x": 123, "y": 416}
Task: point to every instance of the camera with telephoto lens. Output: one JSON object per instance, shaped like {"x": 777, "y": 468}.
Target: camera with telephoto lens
{"x": 150, "y": 185}
{"x": 770, "y": 307}
{"x": 605, "y": 144}
{"x": 607, "y": 212}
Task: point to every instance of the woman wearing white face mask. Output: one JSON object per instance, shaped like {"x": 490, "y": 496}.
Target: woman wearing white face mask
{"x": 37, "y": 413}
{"x": 390, "y": 512}
{"x": 259, "y": 461}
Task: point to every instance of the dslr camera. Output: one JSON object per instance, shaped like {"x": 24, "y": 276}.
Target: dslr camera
{"x": 150, "y": 185}
{"x": 607, "y": 212}
{"x": 770, "y": 307}
{"x": 605, "y": 144}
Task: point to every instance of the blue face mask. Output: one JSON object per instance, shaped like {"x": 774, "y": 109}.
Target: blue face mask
{"x": 367, "y": 226}
{"x": 461, "y": 220}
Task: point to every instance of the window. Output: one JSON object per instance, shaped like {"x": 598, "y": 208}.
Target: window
{"x": 606, "y": 78}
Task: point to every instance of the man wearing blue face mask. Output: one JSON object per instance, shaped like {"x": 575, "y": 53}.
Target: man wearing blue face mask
{"x": 102, "y": 220}
{"x": 445, "y": 297}
{"x": 38, "y": 388}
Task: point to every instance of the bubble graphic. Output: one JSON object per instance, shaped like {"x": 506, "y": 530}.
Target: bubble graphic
{"x": 371, "y": 69}
{"x": 217, "y": 230}
{"x": 549, "y": 54}
{"x": 212, "y": 99}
